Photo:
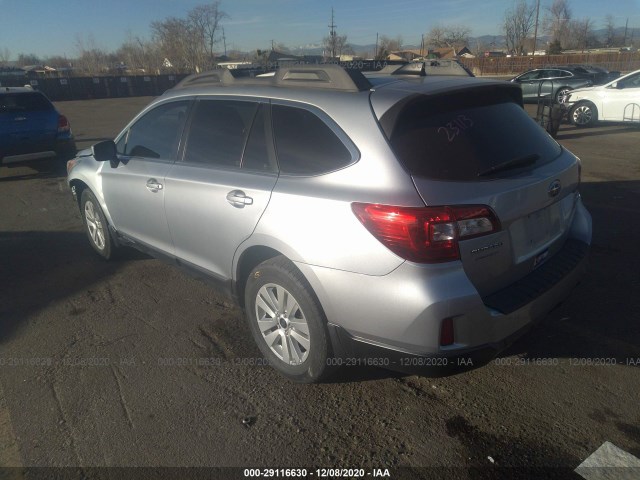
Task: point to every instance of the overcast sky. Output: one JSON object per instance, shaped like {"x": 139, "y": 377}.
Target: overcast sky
{"x": 50, "y": 27}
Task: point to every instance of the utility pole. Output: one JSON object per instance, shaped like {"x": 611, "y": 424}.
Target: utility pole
{"x": 422, "y": 46}
{"x": 375, "y": 56}
{"x": 224, "y": 41}
{"x": 535, "y": 32}
{"x": 332, "y": 36}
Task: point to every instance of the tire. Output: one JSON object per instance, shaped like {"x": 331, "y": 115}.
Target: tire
{"x": 584, "y": 114}
{"x": 282, "y": 311}
{"x": 562, "y": 91}
{"x": 96, "y": 225}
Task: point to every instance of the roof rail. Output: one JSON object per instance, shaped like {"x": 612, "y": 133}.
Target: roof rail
{"x": 414, "y": 68}
{"x": 221, "y": 76}
{"x": 329, "y": 76}
{"x": 428, "y": 67}
{"x": 324, "y": 76}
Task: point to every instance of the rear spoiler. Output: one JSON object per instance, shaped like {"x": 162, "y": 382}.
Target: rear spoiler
{"x": 479, "y": 93}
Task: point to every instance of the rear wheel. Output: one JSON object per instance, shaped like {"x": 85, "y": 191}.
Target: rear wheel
{"x": 584, "y": 114}
{"x": 287, "y": 322}
{"x": 96, "y": 225}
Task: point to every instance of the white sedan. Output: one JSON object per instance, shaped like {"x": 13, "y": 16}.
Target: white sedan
{"x": 617, "y": 101}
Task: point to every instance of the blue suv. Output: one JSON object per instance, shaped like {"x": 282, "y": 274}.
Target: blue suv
{"x": 31, "y": 128}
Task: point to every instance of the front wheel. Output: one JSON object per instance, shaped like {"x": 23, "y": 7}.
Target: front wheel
{"x": 584, "y": 114}
{"x": 562, "y": 92}
{"x": 96, "y": 225}
{"x": 287, "y": 322}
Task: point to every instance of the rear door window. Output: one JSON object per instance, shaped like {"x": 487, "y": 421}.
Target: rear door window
{"x": 463, "y": 135}
{"x": 305, "y": 144}
{"x": 218, "y": 132}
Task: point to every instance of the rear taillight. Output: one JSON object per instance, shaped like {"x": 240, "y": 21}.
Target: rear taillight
{"x": 63, "y": 124}
{"x": 427, "y": 234}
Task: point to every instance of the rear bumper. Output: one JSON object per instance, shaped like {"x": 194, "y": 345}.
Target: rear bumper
{"x": 398, "y": 316}
{"x": 351, "y": 351}
{"x": 62, "y": 148}
{"x": 499, "y": 330}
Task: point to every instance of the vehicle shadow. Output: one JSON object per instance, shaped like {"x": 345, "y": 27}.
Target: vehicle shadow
{"x": 42, "y": 267}
{"x": 570, "y": 133}
{"x": 43, "y": 169}
{"x": 599, "y": 318}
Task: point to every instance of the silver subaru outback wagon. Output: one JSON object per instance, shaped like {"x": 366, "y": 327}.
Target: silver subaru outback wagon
{"x": 405, "y": 221}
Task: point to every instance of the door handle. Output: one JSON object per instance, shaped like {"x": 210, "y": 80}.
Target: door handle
{"x": 154, "y": 185}
{"x": 238, "y": 199}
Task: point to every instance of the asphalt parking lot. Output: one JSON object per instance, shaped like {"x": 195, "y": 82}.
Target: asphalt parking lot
{"x": 132, "y": 363}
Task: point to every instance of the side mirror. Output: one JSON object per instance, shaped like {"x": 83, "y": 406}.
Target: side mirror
{"x": 105, "y": 152}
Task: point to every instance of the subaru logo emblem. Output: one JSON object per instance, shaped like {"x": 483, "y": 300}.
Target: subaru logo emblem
{"x": 554, "y": 188}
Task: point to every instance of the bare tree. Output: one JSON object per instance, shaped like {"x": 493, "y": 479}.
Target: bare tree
{"x": 453, "y": 36}
{"x": 205, "y": 19}
{"x": 336, "y": 45}
{"x": 556, "y": 21}
{"x": 188, "y": 42}
{"x": 57, "y": 61}
{"x": 25, "y": 59}
{"x": 387, "y": 45}
{"x": 436, "y": 37}
{"x": 5, "y": 55}
{"x": 91, "y": 59}
{"x": 610, "y": 39}
{"x": 581, "y": 34}
{"x": 179, "y": 42}
{"x": 139, "y": 54}
{"x": 518, "y": 24}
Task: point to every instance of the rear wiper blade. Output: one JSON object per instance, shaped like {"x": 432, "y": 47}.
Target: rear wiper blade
{"x": 513, "y": 163}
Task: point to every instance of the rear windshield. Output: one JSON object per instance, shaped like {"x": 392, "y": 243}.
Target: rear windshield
{"x": 465, "y": 136}
{"x": 24, "y": 102}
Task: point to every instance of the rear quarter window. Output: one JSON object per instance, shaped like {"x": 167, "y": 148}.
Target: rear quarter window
{"x": 460, "y": 136}
{"x": 305, "y": 144}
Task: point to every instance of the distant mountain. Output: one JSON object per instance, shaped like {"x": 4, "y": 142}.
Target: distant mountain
{"x": 482, "y": 42}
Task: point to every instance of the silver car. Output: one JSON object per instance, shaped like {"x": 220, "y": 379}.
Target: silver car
{"x": 405, "y": 221}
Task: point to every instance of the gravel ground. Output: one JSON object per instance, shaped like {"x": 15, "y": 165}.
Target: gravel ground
{"x": 132, "y": 363}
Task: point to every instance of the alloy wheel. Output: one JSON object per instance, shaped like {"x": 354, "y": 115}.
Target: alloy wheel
{"x": 94, "y": 225}
{"x": 582, "y": 115}
{"x": 282, "y": 324}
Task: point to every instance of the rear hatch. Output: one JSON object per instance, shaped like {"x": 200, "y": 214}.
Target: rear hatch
{"x": 28, "y": 123}
{"x": 475, "y": 145}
